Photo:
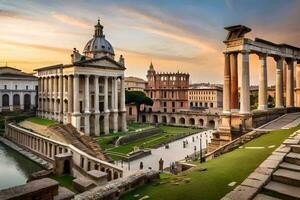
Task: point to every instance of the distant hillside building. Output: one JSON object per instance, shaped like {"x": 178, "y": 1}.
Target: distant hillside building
{"x": 17, "y": 89}
{"x": 205, "y": 95}
{"x": 169, "y": 91}
{"x": 135, "y": 84}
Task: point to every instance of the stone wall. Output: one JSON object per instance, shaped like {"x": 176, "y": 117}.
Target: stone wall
{"x": 47, "y": 149}
{"x": 184, "y": 119}
{"x": 114, "y": 189}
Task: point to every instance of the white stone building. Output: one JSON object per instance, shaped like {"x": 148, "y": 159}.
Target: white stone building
{"x": 205, "y": 95}
{"x": 17, "y": 90}
{"x": 89, "y": 93}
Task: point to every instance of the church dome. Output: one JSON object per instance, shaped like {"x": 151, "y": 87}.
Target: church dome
{"x": 98, "y": 45}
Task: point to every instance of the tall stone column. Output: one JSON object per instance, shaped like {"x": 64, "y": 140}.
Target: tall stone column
{"x": 245, "y": 84}
{"x": 115, "y": 103}
{"x": 21, "y": 100}
{"x": 226, "y": 86}
{"x": 123, "y": 105}
{"x": 96, "y": 106}
{"x": 87, "y": 105}
{"x": 50, "y": 97}
{"x": 106, "y": 110}
{"x": 297, "y": 89}
{"x": 234, "y": 82}
{"x": 71, "y": 88}
{"x": 46, "y": 97}
{"x": 263, "y": 83}
{"x": 290, "y": 83}
{"x": 55, "y": 96}
{"x": 76, "y": 109}
{"x": 0, "y": 101}
{"x": 11, "y": 104}
{"x": 61, "y": 98}
{"x": 279, "y": 83}
{"x": 42, "y": 98}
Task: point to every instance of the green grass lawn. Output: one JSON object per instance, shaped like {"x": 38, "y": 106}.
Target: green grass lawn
{"x": 65, "y": 181}
{"x": 212, "y": 184}
{"x": 41, "y": 121}
{"x": 169, "y": 132}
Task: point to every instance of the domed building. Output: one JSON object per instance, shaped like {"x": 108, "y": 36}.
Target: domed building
{"x": 89, "y": 92}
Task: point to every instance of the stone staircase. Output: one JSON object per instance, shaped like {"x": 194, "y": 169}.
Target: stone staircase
{"x": 285, "y": 181}
{"x": 82, "y": 142}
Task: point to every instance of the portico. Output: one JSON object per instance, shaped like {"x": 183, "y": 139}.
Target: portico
{"x": 239, "y": 116}
{"x": 89, "y": 93}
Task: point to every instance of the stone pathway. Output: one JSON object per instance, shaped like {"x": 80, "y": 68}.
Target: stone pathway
{"x": 278, "y": 174}
{"x": 286, "y": 121}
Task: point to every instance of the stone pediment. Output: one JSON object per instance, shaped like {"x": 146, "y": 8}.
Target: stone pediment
{"x": 103, "y": 62}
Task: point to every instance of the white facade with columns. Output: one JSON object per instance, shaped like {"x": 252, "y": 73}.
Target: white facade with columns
{"x": 17, "y": 90}
{"x": 89, "y": 93}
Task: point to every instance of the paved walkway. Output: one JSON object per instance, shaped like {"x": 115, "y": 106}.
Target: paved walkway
{"x": 174, "y": 153}
{"x": 284, "y": 122}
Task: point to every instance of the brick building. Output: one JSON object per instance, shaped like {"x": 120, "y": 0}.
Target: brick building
{"x": 169, "y": 91}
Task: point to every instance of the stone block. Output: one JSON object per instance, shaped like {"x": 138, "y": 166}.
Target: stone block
{"x": 64, "y": 194}
{"x": 82, "y": 184}
{"x": 242, "y": 193}
{"x": 264, "y": 170}
{"x": 272, "y": 164}
{"x": 98, "y": 177}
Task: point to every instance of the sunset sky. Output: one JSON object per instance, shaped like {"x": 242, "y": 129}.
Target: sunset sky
{"x": 174, "y": 35}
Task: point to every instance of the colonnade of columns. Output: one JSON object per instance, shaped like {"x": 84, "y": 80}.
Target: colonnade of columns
{"x": 230, "y": 90}
{"x": 69, "y": 99}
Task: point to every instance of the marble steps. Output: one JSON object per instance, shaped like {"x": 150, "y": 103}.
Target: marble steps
{"x": 290, "y": 166}
{"x": 264, "y": 197}
{"x": 288, "y": 191}
{"x": 295, "y": 148}
{"x": 293, "y": 158}
{"x": 287, "y": 177}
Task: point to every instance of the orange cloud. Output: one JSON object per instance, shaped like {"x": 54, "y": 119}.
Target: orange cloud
{"x": 70, "y": 20}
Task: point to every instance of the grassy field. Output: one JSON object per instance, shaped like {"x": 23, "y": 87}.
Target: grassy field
{"x": 212, "y": 184}
{"x": 65, "y": 181}
{"x": 40, "y": 121}
{"x": 169, "y": 132}
{"x": 105, "y": 141}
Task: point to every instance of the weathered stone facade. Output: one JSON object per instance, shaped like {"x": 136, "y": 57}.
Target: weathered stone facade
{"x": 169, "y": 91}
{"x": 185, "y": 119}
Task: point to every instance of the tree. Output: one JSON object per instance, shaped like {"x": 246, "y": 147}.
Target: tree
{"x": 137, "y": 98}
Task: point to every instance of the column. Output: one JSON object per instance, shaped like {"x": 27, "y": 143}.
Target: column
{"x": 96, "y": 106}
{"x": 106, "y": 110}
{"x": 245, "y": 84}
{"x": 11, "y": 105}
{"x": 226, "y": 86}
{"x": 21, "y": 100}
{"x": 76, "y": 110}
{"x": 297, "y": 89}
{"x": 42, "y": 97}
{"x": 70, "y": 96}
{"x": 115, "y": 104}
{"x": 61, "y": 98}
{"x": 32, "y": 99}
{"x": 55, "y": 96}
{"x": 87, "y": 105}
{"x": 46, "y": 97}
{"x": 234, "y": 81}
{"x": 290, "y": 83}
{"x": 263, "y": 83}
{"x": 279, "y": 83}
{"x": 50, "y": 97}
{"x": 123, "y": 105}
